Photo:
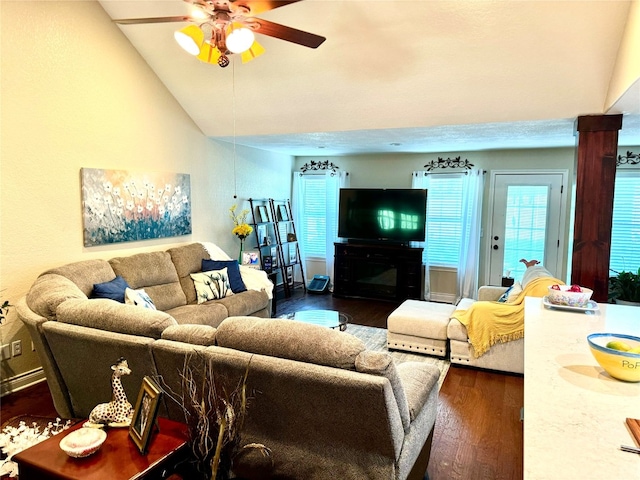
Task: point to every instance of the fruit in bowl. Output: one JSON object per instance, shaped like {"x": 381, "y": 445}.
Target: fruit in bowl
{"x": 618, "y": 354}
{"x": 569, "y": 295}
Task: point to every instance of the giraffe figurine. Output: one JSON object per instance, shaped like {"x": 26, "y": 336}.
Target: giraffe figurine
{"x": 117, "y": 412}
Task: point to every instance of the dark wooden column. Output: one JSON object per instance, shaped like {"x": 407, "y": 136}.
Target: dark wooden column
{"x": 596, "y": 171}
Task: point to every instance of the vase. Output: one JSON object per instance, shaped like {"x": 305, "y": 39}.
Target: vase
{"x": 241, "y": 249}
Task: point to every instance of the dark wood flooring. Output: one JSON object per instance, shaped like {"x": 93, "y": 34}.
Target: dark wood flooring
{"x": 478, "y": 433}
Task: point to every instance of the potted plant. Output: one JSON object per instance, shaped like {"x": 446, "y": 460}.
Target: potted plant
{"x": 624, "y": 288}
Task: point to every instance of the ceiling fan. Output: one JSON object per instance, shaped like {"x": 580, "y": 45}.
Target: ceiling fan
{"x": 223, "y": 27}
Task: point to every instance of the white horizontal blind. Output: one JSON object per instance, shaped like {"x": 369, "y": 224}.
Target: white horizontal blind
{"x": 314, "y": 217}
{"x": 444, "y": 220}
{"x": 625, "y": 232}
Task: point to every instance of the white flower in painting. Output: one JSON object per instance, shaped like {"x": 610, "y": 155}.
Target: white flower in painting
{"x": 119, "y": 202}
{"x": 113, "y": 209}
{"x": 151, "y": 195}
{"x": 107, "y": 187}
{"x": 165, "y": 199}
{"x": 149, "y": 206}
{"x": 178, "y": 189}
{"x": 116, "y": 191}
{"x": 108, "y": 200}
{"x": 140, "y": 209}
{"x": 170, "y": 207}
{"x": 160, "y": 191}
{"x": 177, "y": 208}
{"x": 140, "y": 194}
{"x": 158, "y": 201}
{"x": 152, "y": 187}
{"x": 119, "y": 212}
{"x": 161, "y": 210}
{"x": 185, "y": 199}
{"x": 167, "y": 187}
{"x": 130, "y": 205}
{"x": 125, "y": 185}
{"x": 97, "y": 197}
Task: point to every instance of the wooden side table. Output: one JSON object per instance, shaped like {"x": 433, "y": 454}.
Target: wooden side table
{"x": 117, "y": 459}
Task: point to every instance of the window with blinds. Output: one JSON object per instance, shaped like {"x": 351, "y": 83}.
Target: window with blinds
{"x": 625, "y": 232}
{"x": 314, "y": 219}
{"x": 444, "y": 220}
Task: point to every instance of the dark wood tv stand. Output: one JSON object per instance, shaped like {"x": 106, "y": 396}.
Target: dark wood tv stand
{"x": 378, "y": 271}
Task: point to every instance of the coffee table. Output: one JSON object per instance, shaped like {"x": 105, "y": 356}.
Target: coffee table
{"x": 323, "y": 318}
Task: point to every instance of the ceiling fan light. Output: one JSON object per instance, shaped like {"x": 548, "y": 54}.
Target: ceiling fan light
{"x": 239, "y": 39}
{"x": 190, "y": 38}
{"x": 252, "y": 52}
{"x": 209, "y": 54}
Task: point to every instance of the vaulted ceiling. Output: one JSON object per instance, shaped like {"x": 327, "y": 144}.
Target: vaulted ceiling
{"x": 403, "y": 75}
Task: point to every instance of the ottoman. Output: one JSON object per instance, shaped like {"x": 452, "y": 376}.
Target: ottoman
{"x": 420, "y": 327}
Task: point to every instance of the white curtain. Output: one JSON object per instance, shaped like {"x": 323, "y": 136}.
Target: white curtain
{"x": 472, "y": 191}
{"x": 421, "y": 180}
{"x": 335, "y": 181}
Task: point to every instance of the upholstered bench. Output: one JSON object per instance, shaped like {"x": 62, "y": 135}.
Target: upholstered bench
{"x": 420, "y": 327}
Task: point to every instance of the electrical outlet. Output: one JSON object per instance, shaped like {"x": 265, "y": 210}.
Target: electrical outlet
{"x": 16, "y": 348}
{"x": 6, "y": 352}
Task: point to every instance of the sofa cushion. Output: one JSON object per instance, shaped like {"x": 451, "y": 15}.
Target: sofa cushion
{"x": 211, "y": 285}
{"x": 290, "y": 339}
{"x": 115, "y": 317}
{"x": 233, "y": 271}
{"x": 155, "y": 272}
{"x": 192, "y": 334}
{"x": 245, "y": 303}
{"x": 187, "y": 259}
{"x": 139, "y": 298}
{"x": 113, "y": 290}
{"x": 50, "y": 290}
{"x": 381, "y": 363}
{"x": 210, "y": 313}
{"x": 85, "y": 274}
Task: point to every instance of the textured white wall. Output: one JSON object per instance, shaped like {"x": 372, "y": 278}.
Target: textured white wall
{"x": 76, "y": 94}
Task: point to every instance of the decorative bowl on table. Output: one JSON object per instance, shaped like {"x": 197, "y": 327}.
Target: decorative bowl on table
{"x": 569, "y": 295}
{"x": 618, "y": 354}
{"x": 83, "y": 442}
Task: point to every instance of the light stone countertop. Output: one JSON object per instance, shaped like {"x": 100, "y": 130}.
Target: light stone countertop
{"x": 574, "y": 412}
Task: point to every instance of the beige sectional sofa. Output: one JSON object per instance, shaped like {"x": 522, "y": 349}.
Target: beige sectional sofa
{"x": 323, "y": 404}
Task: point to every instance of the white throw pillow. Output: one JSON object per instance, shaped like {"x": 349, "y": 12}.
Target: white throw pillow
{"x": 515, "y": 291}
{"x": 138, "y": 298}
{"x": 212, "y": 285}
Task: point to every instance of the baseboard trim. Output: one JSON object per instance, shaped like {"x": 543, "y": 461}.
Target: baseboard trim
{"x": 22, "y": 381}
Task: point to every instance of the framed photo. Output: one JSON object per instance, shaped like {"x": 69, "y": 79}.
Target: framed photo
{"x": 262, "y": 234}
{"x": 263, "y": 216}
{"x": 267, "y": 263}
{"x": 293, "y": 254}
{"x": 282, "y": 210}
{"x": 144, "y": 414}
{"x": 250, "y": 258}
{"x": 274, "y": 256}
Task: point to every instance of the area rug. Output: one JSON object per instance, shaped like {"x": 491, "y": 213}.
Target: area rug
{"x": 376, "y": 339}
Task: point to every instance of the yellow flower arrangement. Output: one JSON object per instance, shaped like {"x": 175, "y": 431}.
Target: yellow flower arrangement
{"x": 241, "y": 229}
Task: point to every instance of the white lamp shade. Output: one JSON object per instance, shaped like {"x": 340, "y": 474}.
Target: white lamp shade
{"x": 190, "y": 38}
{"x": 240, "y": 40}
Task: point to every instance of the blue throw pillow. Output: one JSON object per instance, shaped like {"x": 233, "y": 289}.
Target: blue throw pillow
{"x": 233, "y": 272}
{"x": 113, "y": 290}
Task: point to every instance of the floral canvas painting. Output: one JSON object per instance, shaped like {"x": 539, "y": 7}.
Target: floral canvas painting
{"x": 122, "y": 206}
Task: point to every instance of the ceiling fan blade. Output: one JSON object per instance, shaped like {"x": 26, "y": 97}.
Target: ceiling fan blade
{"x": 136, "y": 21}
{"x": 256, "y": 7}
{"x": 282, "y": 32}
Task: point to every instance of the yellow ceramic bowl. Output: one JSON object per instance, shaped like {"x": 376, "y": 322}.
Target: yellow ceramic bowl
{"x": 621, "y": 365}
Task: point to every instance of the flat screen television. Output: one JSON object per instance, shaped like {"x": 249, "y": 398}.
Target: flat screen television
{"x": 380, "y": 214}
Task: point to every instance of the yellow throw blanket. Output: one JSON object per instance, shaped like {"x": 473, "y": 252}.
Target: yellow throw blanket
{"x": 489, "y": 323}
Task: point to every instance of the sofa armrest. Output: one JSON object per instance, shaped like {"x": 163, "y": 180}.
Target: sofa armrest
{"x": 418, "y": 379}
{"x": 490, "y": 292}
{"x": 193, "y": 334}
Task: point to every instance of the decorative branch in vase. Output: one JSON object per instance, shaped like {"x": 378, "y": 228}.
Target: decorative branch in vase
{"x": 241, "y": 228}
{"x": 214, "y": 415}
